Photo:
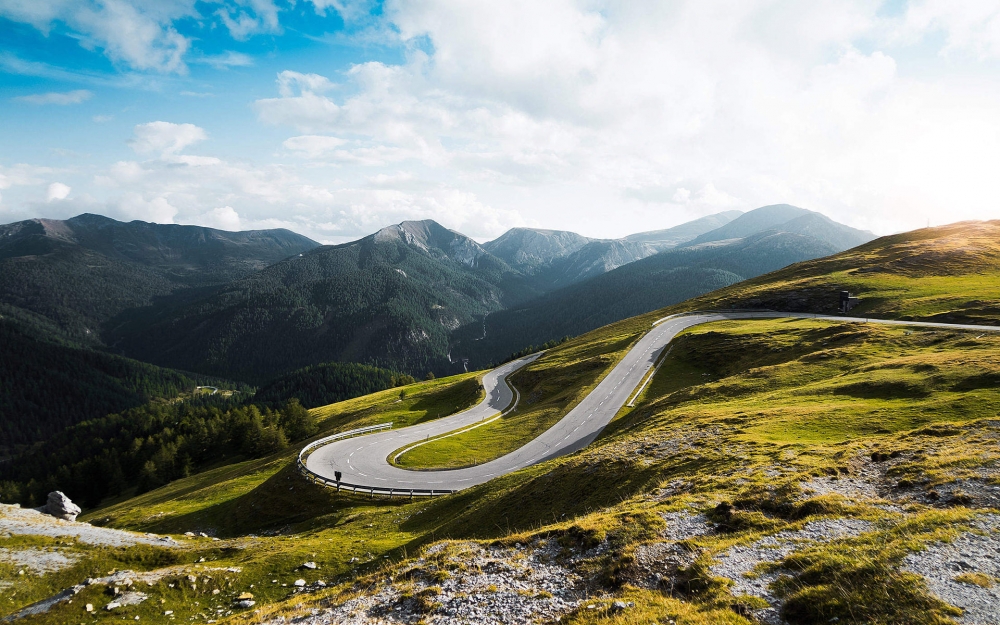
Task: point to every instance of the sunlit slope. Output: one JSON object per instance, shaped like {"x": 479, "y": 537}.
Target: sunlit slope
{"x": 948, "y": 273}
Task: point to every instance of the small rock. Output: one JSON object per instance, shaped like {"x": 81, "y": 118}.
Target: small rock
{"x": 203, "y": 534}
{"x": 309, "y": 565}
{"x": 89, "y": 607}
{"x": 112, "y": 605}
{"x": 167, "y": 612}
{"x": 245, "y": 596}
{"x": 61, "y": 507}
{"x": 216, "y": 591}
{"x": 201, "y": 559}
{"x": 189, "y": 534}
{"x": 246, "y": 603}
{"x": 619, "y": 606}
{"x": 300, "y": 583}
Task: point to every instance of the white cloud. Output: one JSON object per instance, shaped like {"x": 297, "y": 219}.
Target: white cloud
{"x": 290, "y": 82}
{"x": 565, "y": 109}
{"x": 250, "y": 17}
{"x": 57, "y": 191}
{"x": 138, "y": 34}
{"x": 313, "y": 146}
{"x": 165, "y": 137}
{"x": 141, "y": 34}
{"x": 972, "y": 26}
{"x": 222, "y": 218}
{"x": 349, "y": 10}
{"x": 56, "y": 97}
{"x": 134, "y": 205}
{"x": 102, "y": 119}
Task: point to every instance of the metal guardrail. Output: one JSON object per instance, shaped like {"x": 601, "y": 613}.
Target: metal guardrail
{"x": 357, "y": 488}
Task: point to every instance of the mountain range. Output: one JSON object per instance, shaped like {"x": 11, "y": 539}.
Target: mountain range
{"x": 414, "y": 297}
{"x": 74, "y": 276}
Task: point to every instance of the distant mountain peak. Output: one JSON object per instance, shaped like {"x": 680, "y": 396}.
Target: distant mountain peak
{"x": 527, "y": 249}
{"x": 677, "y": 235}
{"x": 789, "y": 219}
{"x": 428, "y": 235}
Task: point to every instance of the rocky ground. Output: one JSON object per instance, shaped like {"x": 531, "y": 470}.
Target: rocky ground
{"x": 965, "y": 572}
{"x": 23, "y": 521}
{"x": 466, "y": 583}
{"x": 541, "y": 582}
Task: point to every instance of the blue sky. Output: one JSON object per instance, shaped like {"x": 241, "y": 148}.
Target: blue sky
{"x": 334, "y": 118}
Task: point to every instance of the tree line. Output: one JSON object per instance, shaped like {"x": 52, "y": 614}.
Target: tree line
{"x": 146, "y": 447}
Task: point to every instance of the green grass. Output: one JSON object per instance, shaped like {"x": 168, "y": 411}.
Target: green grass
{"x": 949, "y": 273}
{"x": 224, "y": 499}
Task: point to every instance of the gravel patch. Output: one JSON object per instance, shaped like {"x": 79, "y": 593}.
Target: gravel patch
{"x": 22, "y": 521}
{"x": 40, "y": 561}
{"x": 684, "y": 525}
{"x": 940, "y": 563}
{"x": 655, "y": 565}
{"x": 741, "y": 560}
{"x": 490, "y": 585}
{"x": 856, "y": 488}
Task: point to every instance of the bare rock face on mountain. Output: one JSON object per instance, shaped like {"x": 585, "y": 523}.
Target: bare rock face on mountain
{"x": 61, "y": 507}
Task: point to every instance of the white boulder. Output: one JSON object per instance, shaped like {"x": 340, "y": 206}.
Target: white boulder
{"x": 61, "y": 507}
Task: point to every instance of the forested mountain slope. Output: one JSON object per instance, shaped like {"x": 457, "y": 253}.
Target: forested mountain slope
{"x": 50, "y": 385}
{"x": 81, "y": 272}
{"x": 389, "y": 299}
{"x": 329, "y": 383}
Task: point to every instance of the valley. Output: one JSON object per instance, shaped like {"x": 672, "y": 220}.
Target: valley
{"x": 792, "y": 466}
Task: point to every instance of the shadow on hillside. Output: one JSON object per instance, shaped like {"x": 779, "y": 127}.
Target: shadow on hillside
{"x": 447, "y": 401}
{"x": 284, "y": 500}
{"x": 531, "y": 498}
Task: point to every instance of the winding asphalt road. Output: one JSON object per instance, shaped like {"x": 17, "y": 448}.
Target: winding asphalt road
{"x": 363, "y": 460}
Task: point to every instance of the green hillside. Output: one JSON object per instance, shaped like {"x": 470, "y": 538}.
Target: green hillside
{"x": 812, "y": 471}
{"x": 949, "y": 273}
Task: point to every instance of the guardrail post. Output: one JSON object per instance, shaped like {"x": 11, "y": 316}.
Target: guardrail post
{"x": 411, "y": 494}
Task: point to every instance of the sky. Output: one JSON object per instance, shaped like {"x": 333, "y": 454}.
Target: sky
{"x": 334, "y": 118}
